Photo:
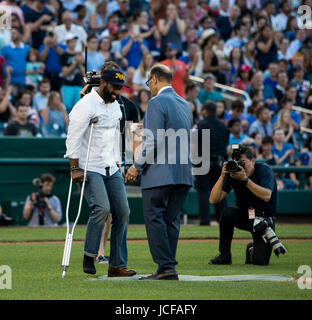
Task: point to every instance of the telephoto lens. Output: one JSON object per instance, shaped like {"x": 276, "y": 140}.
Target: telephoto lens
{"x": 274, "y": 241}
{"x": 232, "y": 166}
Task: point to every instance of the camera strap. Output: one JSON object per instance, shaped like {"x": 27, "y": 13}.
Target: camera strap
{"x": 122, "y": 129}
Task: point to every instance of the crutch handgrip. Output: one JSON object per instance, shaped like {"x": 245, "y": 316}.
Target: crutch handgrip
{"x": 94, "y": 120}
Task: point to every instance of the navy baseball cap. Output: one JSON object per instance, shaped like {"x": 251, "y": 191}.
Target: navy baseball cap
{"x": 114, "y": 77}
{"x": 172, "y": 46}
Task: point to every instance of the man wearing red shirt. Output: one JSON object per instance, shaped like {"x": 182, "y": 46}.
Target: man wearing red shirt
{"x": 180, "y": 73}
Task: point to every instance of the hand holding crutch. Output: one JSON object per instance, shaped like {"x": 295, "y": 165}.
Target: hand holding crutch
{"x": 70, "y": 235}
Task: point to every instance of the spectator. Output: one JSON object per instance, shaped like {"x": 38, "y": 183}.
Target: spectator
{"x": 124, "y": 12}
{"x": 243, "y": 78}
{"x": 25, "y": 28}
{"x": 91, "y": 6}
{"x": 16, "y": 56}
{"x": 133, "y": 48}
{"x": 249, "y": 53}
{"x": 297, "y": 43}
{"x": 34, "y": 68}
{"x": 5, "y": 73}
{"x": 98, "y": 20}
{"x": 252, "y": 111}
{"x": 194, "y": 110}
{"x": 221, "y": 114}
{"x": 279, "y": 21}
{"x": 129, "y": 90}
{"x": 240, "y": 38}
{"x": 191, "y": 94}
{"x": 112, "y": 27}
{"x": 40, "y": 19}
{"x": 266, "y": 48}
{"x": 191, "y": 60}
{"x": 235, "y": 129}
{"x": 171, "y": 29}
{"x": 25, "y": 99}
{"x": 208, "y": 92}
{"x": 82, "y": 18}
{"x": 282, "y": 52}
{"x": 287, "y": 104}
{"x": 95, "y": 60}
{"x": 236, "y": 60}
{"x": 105, "y": 49}
{"x": 50, "y": 52}
{"x": 7, "y": 111}
{"x": 178, "y": 68}
{"x": 192, "y": 13}
{"x": 269, "y": 10}
{"x": 141, "y": 74}
{"x": 268, "y": 96}
{"x": 291, "y": 93}
{"x": 208, "y": 61}
{"x": 148, "y": 32}
{"x": 266, "y": 151}
{"x": 257, "y": 141}
{"x": 226, "y": 24}
{"x": 72, "y": 70}
{"x": 305, "y": 158}
{"x": 46, "y": 209}
{"x": 279, "y": 90}
{"x": 271, "y": 78}
{"x": 284, "y": 122}
{"x": 237, "y": 112}
{"x": 282, "y": 149}
{"x": 21, "y": 127}
{"x": 263, "y": 123}
{"x": 40, "y": 100}
{"x": 55, "y": 118}
{"x": 67, "y": 28}
{"x": 301, "y": 85}
{"x": 144, "y": 96}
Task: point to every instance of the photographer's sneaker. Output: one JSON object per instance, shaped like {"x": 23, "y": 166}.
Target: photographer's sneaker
{"x": 88, "y": 265}
{"x": 249, "y": 250}
{"x": 222, "y": 259}
{"x": 102, "y": 259}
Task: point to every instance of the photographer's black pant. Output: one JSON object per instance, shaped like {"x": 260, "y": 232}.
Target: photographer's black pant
{"x": 204, "y": 184}
{"x": 236, "y": 217}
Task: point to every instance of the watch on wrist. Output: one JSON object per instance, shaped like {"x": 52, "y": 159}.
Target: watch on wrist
{"x": 245, "y": 181}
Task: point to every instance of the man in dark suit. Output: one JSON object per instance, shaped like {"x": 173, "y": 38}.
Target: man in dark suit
{"x": 219, "y": 139}
{"x": 166, "y": 172}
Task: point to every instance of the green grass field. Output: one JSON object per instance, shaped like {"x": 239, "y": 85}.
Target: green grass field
{"x": 36, "y": 267}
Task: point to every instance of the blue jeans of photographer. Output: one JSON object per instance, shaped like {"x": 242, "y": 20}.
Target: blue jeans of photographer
{"x": 106, "y": 194}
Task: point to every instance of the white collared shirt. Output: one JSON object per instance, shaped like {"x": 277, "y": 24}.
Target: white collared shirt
{"x": 61, "y": 33}
{"x": 162, "y": 89}
{"x": 105, "y": 143}
{"x": 21, "y": 45}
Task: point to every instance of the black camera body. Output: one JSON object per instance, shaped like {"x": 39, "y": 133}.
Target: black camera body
{"x": 92, "y": 79}
{"x": 233, "y": 165}
{"x": 40, "y": 195}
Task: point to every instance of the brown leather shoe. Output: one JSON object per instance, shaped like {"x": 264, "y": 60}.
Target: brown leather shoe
{"x": 120, "y": 272}
{"x": 164, "y": 275}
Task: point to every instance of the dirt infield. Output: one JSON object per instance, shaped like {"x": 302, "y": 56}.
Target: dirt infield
{"x": 142, "y": 241}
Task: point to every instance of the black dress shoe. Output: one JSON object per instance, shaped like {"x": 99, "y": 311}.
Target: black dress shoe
{"x": 164, "y": 275}
{"x": 88, "y": 265}
{"x": 222, "y": 259}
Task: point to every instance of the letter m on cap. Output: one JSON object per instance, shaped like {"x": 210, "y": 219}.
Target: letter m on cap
{"x": 119, "y": 76}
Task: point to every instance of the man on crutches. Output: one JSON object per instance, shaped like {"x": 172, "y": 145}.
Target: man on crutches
{"x": 104, "y": 186}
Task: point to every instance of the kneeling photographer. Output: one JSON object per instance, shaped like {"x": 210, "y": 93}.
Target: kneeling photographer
{"x": 256, "y": 198}
{"x": 41, "y": 207}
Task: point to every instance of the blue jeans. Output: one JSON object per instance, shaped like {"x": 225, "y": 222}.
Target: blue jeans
{"x": 106, "y": 194}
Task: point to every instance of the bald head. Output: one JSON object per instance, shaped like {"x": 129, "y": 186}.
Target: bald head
{"x": 162, "y": 73}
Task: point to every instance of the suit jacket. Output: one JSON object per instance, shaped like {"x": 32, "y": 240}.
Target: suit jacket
{"x": 159, "y": 164}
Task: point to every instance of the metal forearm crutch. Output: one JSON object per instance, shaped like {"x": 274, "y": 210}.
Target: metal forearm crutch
{"x": 69, "y": 236}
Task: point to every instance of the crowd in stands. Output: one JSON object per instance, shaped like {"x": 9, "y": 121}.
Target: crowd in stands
{"x": 257, "y": 46}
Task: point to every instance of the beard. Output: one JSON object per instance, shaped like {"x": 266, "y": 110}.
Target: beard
{"x": 108, "y": 97}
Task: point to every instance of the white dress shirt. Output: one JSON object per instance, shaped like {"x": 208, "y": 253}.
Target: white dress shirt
{"x": 105, "y": 143}
{"x": 61, "y": 33}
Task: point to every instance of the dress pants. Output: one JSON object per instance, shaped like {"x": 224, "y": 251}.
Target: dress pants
{"x": 162, "y": 208}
